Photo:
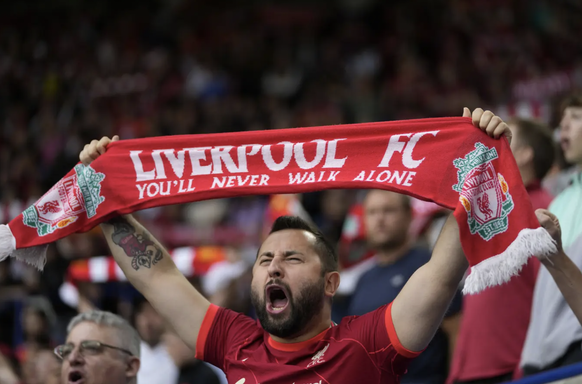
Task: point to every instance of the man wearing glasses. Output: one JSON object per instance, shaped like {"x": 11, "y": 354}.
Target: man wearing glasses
{"x": 101, "y": 348}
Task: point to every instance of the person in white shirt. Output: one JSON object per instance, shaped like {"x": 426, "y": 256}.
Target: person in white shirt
{"x": 157, "y": 366}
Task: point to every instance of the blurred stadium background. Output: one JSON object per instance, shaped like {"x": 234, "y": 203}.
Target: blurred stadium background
{"x": 75, "y": 70}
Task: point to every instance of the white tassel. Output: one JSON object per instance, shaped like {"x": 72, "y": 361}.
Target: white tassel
{"x": 35, "y": 256}
{"x": 501, "y": 268}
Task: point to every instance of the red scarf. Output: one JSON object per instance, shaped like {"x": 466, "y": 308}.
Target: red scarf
{"x": 447, "y": 161}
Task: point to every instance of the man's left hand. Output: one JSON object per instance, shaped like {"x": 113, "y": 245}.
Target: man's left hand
{"x": 489, "y": 123}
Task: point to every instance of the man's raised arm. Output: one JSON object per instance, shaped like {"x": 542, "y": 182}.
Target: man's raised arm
{"x": 419, "y": 308}
{"x": 149, "y": 268}
{"x": 563, "y": 270}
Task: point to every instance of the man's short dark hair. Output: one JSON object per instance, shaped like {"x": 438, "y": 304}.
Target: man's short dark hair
{"x": 537, "y": 136}
{"x": 574, "y": 100}
{"x": 325, "y": 250}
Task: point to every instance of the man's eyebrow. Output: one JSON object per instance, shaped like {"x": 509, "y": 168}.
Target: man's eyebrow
{"x": 286, "y": 254}
{"x": 291, "y": 253}
{"x": 267, "y": 254}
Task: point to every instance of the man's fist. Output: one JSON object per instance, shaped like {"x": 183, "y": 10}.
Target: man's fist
{"x": 550, "y": 223}
{"x": 95, "y": 149}
{"x": 489, "y": 123}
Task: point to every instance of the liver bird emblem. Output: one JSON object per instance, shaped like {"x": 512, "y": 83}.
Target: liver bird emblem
{"x": 49, "y": 207}
{"x": 483, "y": 205}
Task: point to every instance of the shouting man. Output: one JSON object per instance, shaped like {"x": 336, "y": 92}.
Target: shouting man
{"x": 294, "y": 280}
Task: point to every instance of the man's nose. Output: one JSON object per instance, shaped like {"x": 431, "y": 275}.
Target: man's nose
{"x": 565, "y": 123}
{"x": 276, "y": 268}
{"x": 75, "y": 357}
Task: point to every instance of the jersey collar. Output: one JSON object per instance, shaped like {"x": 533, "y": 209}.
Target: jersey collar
{"x": 294, "y": 347}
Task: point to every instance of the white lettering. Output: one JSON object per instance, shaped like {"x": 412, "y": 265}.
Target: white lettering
{"x": 370, "y": 176}
{"x": 380, "y": 179}
{"x": 218, "y": 183}
{"x": 181, "y": 188}
{"x": 330, "y": 160}
{"x": 399, "y": 178}
{"x": 300, "y": 154}
{"x": 407, "y": 159}
{"x": 333, "y": 175}
{"x": 242, "y": 155}
{"x": 241, "y": 181}
{"x": 197, "y": 154}
{"x": 238, "y": 181}
{"x": 268, "y": 157}
{"x": 160, "y": 171}
{"x": 298, "y": 178}
{"x": 167, "y": 191}
{"x": 141, "y": 190}
{"x": 190, "y": 187}
{"x": 149, "y": 189}
{"x": 141, "y": 175}
{"x": 176, "y": 161}
{"x": 311, "y": 178}
{"x": 408, "y": 180}
{"x": 222, "y": 155}
{"x": 360, "y": 177}
{"x": 394, "y": 145}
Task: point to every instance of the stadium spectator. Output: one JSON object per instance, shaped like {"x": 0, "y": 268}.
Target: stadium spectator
{"x": 101, "y": 348}
{"x": 191, "y": 370}
{"x": 44, "y": 368}
{"x": 387, "y": 218}
{"x": 37, "y": 321}
{"x": 158, "y": 364}
{"x": 554, "y": 337}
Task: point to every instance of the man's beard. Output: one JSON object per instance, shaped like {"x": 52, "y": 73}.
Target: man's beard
{"x": 302, "y": 310}
{"x": 389, "y": 244}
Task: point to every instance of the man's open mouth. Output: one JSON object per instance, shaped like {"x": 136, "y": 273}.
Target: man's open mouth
{"x": 76, "y": 377}
{"x": 277, "y": 299}
{"x": 565, "y": 143}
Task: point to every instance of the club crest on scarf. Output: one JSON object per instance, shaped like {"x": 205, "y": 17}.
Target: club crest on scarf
{"x": 65, "y": 201}
{"x": 483, "y": 192}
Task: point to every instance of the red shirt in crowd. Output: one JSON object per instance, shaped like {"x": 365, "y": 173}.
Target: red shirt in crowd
{"x": 361, "y": 349}
{"x": 495, "y": 321}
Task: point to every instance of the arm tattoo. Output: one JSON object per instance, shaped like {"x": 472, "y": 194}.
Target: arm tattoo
{"x": 143, "y": 251}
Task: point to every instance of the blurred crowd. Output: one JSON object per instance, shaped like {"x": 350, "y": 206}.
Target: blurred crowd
{"x": 74, "y": 73}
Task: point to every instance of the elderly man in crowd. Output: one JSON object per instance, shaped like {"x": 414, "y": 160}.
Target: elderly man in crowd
{"x": 101, "y": 348}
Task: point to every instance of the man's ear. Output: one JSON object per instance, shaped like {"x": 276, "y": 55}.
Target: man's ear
{"x": 332, "y": 282}
{"x": 523, "y": 155}
{"x": 528, "y": 154}
{"x": 133, "y": 364}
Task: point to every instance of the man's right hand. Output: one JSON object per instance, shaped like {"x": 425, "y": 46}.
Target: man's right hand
{"x": 550, "y": 223}
{"x": 95, "y": 149}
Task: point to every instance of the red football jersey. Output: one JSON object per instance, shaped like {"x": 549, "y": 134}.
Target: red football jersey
{"x": 361, "y": 349}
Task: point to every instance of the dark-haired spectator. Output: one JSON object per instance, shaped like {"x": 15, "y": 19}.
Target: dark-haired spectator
{"x": 387, "y": 216}
{"x": 554, "y": 337}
